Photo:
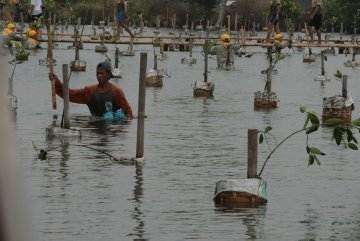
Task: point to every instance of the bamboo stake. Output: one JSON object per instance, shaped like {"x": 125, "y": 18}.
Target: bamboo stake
{"x": 50, "y": 62}
{"x": 65, "y": 71}
{"x": 252, "y": 153}
{"x": 141, "y": 108}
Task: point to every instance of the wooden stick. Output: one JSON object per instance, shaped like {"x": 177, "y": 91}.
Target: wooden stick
{"x": 141, "y": 108}
{"x": 50, "y": 62}
{"x": 344, "y": 86}
{"x": 322, "y": 63}
{"x": 65, "y": 71}
{"x": 252, "y": 153}
{"x": 206, "y": 58}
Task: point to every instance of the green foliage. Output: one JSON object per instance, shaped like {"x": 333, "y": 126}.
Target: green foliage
{"x": 21, "y": 54}
{"x": 291, "y": 11}
{"x": 342, "y": 134}
{"x": 338, "y": 74}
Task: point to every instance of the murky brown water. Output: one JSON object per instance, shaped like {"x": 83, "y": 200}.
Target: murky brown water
{"x": 79, "y": 194}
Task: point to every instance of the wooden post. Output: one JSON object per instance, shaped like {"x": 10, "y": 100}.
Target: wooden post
{"x": 252, "y": 153}
{"x": 269, "y": 72}
{"x": 190, "y": 48}
{"x": 354, "y": 54}
{"x": 65, "y": 71}
{"x": 229, "y": 23}
{"x": 322, "y": 63}
{"x": 236, "y": 21}
{"x": 155, "y": 61}
{"x": 341, "y": 28}
{"x": 141, "y": 108}
{"x": 187, "y": 21}
{"x": 50, "y": 61}
{"x": 117, "y": 53}
{"x": 206, "y": 57}
{"x": 344, "y": 86}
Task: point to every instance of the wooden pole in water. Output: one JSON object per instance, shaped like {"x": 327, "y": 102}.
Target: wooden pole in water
{"x": 141, "y": 107}
{"x": 236, "y": 21}
{"x": 65, "y": 72}
{"x": 322, "y": 63}
{"x": 354, "y": 54}
{"x": 344, "y": 86}
{"x": 252, "y": 153}
{"x": 155, "y": 61}
{"x": 117, "y": 53}
{"x": 229, "y": 23}
{"x": 50, "y": 60}
{"x": 206, "y": 57}
{"x": 269, "y": 71}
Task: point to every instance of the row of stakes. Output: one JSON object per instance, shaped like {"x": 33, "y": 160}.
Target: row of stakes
{"x": 232, "y": 193}
{"x": 247, "y": 192}
{"x": 205, "y": 88}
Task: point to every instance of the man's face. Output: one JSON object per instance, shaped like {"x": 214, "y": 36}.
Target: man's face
{"x": 102, "y": 75}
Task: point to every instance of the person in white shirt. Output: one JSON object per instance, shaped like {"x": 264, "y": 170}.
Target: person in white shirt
{"x": 37, "y": 9}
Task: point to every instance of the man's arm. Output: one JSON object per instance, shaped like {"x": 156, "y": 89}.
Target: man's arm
{"x": 123, "y": 103}
{"x": 79, "y": 96}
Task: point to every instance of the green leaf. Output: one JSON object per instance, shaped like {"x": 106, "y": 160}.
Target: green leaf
{"x": 312, "y": 129}
{"x": 350, "y": 136}
{"x": 356, "y": 122}
{"x": 302, "y": 109}
{"x": 338, "y": 135}
{"x": 353, "y": 146}
{"x": 316, "y": 151}
{"x": 268, "y": 129}
{"x": 261, "y": 138}
{"x": 317, "y": 160}
{"x": 308, "y": 149}
{"x": 306, "y": 121}
{"x": 313, "y": 118}
{"x": 311, "y": 160}
{"x": 333, "y": 122}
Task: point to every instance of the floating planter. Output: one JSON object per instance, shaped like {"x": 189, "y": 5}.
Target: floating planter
{"x": 130, "y": 51}
{"x": 352, "y": 63}
{"x": 247, "y": 192}
{"x": 78, "y": 66}
{"x": 101, "y": 48}
{"x": 267, "y": 99}
{"x": 204, "y": 88}
{"x": 190, "y": 61}
{"x": 153, "y": 78}
{"x": 338, "y": 107}
{"x": 308, "y": 57}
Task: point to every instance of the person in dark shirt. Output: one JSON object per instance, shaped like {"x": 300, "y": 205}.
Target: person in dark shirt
{"x": 273, "y": 18}
{"x": 122, "y": 17}
{"x": 315, "y": 20}
{"x": 100, "y": 96}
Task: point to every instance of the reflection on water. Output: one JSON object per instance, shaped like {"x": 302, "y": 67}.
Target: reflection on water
{"x": 251, "y": 218}
{"x": 137, "y": 200}
{"x": 78, "y": 194}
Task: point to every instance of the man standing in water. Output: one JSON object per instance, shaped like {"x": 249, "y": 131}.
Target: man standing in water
{"x": 273, "y": 18}
{"x": 315, "y": 20}
{"x": 100, "y": 98}
{"x": 122, "y": 17}
{"x": 224, "y": 52}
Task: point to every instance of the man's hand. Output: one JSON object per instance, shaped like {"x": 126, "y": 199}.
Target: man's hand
{"x": 53, "y": 77}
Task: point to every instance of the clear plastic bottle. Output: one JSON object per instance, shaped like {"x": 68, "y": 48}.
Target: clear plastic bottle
{"x": 108, "y": 115}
